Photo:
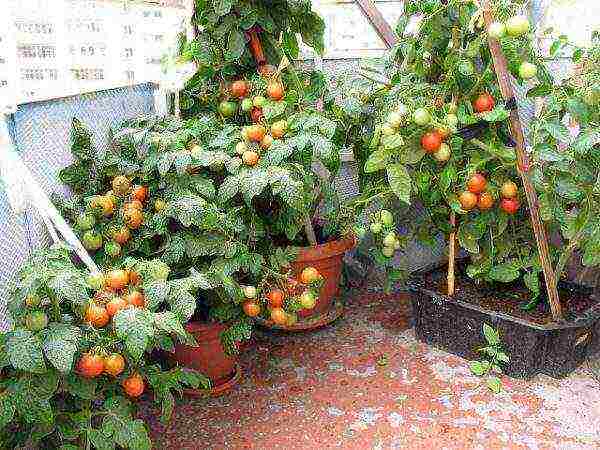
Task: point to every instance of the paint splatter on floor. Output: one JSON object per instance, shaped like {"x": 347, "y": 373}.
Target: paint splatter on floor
{"x": 365, "y": 382}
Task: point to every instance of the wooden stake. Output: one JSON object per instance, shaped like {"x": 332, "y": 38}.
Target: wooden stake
{"x": 451, "y": 254}
{"x": 382, "y": 27}
{"x": 541, "y": 237}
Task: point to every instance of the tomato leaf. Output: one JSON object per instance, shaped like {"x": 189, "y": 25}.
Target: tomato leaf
{"x": 505, "y": 272}
{"x": 400, "y": 181}
{"x": 60, "y": 345}
{"x": 134, "y": 327}
{"x": 377, "y": 160}
{"x": 24, "y": 351}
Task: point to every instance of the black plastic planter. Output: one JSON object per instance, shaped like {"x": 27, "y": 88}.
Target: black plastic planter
{"x": 454, "y": 325}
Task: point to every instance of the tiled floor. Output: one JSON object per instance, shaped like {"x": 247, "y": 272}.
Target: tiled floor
{"x": 366, "y": 383}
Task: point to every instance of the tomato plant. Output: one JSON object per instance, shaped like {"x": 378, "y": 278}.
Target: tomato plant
{"x": 447, "y": 81}
{"x": 66, "y": 384}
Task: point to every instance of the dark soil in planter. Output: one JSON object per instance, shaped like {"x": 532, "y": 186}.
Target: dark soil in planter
{"x": 534, "y": 342}
{"x": 508, "y": 298}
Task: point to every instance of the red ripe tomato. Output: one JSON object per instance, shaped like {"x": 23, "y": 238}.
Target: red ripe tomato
{"x": 279, "y": 316}
{"x": 133, "y": 385}
{"x": 256, "y": 114}
{"x": 431, "y": 142}
{"x": 135, "y": 298}
{"x": 510, "y": 205}
{"x": 275, "y": 90}
{"x": 90, "y": 365}
{"x": 133, "y": 218}
{"x": 251, "y": 308}
{"x": 96, "y": 315}
{"x": 485, "y": 102}
{"x": 250, "y": 158}
{"x": 239, "y": 88}
{"x": 122, "y": 235}
{"x": 485, "y": 201}
{"x": 115, "y": 305}
{"x": 256, "y": 133}
{"x": 477, "y": 183}
{"x": 117, "y": 279}
{"x": 467, "y": 200}
{"x": 134, "y": 278}
{"x": 275, "y": 298}
{"x": 140, "y": 193}
{"x": 114, "y": 364}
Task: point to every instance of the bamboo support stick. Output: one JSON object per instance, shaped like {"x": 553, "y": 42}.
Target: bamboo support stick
{"x": 452, "y": 254}
{"x": 541, "y": 237}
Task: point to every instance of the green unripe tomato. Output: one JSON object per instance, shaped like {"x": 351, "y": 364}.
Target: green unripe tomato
{"x": 517, "y": 26}
{"x": 112, "y": 248}
{"x": 36, "y": 321}
{"x": 390, "y": 239}
{"x": 527, "y": 70}
{"x": 95, "y": 281}
{"x": 308, "y": 300}
{"x": 247, "y": 105}
{"x": 397, "y": 244}
{"x": 249, "y": 291}
{"x": 376, "y": 228}
{"x": 92, "y": 240}
{"x": 443, "y": 154}
{"x": 227, "y": 108}
{"x": 394, "y": 119}
{"x": 86, "y": 222}
{"x": 497, "y": 30}
{"x": 240, "y": 148}
{"x": 259, "y": 101}
{"x": 421, "y": 117}
{"x": 386, "y": 217}
{"x": 388, "y": 251}
{"x": 387, "y": 129}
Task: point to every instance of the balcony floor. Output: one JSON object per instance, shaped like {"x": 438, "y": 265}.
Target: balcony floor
{"x": 365, "y": 382}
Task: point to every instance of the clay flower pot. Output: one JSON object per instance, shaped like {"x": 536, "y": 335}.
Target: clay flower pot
{"x": 209, "y": 358}
{"x": 328, "y": 260}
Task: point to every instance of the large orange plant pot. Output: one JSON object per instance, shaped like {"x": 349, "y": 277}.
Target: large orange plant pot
{"x": 209, "y": 358}
{"x": 328, "y": 260}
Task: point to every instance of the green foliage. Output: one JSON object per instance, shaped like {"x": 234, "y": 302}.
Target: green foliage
{"x": 565, "y": 138}
{"x": 45, "y": 402}
{"x": 221, "y": 48}
{"x": 494, "y": 355}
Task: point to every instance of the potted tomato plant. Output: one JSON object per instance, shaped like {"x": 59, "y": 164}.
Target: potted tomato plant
{"x": 452, "y": 139}
{"x": 272, "y": 134}
{"x": 75, "y": 362}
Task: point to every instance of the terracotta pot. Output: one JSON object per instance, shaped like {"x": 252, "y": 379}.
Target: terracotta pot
{"x": 209, "y": 357}
{"x": 328, "y": 260}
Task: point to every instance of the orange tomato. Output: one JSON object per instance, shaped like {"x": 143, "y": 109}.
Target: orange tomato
{"x": 90, "y": 365}
{"x": 115, "y": 305}
{"x": 117, "y": 279}
{"x": 468, "y": 200}
{"x": 135, "y": 298}
{"x": 485, "y": 201}
{"x": 477, "y": 183}
{"x": 251, "y": 309}
{"x": 134, "y": 385}
{"x": 114, "y": 364}
{"x": 279, "y": 316}
{"x": 96, "y": 315}
{"x": 140, "y": 193}
{"x": 275, "y": 298}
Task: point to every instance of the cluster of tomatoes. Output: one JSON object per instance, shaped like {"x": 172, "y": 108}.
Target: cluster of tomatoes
{"x": 477, "y": 195}
{"x": 514, "y": 27}
{"x": 131, "y": 216}
{"x": 383, "y": 227}
{"x": 96, "y": 363}
{"x": 432, "y": 142}
{"x": 304, "y": 291}
{"x": 117, "y": 290}
{"x": 256, "y": 137}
